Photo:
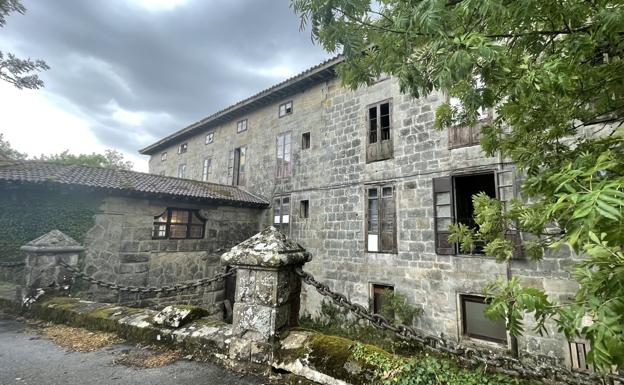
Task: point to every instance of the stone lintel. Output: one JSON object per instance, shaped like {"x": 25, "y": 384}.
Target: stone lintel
{"x": 269, "y": 248}
{"x": 54, "y": 241}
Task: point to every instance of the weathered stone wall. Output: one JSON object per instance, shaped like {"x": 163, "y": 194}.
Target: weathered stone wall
{"x": 120, "y": 249}
{"x": 333, "y": 175}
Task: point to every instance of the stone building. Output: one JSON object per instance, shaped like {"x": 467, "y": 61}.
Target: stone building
{"x": 137, "y": 229}
{"x": 364, "y": 182}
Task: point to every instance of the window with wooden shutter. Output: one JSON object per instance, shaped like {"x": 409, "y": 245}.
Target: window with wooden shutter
{"x": 379, "y": 132}
{"x": 381, "y": 219}
{"x": 505, "y": 192}
{"x": 237, "y": 165}
{"x": 443, "y": 213}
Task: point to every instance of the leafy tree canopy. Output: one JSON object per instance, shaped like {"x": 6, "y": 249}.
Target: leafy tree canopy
{"x": 110, "y": 159}
{"x": 19, "y": 72}
{"x": 553, "y": 73}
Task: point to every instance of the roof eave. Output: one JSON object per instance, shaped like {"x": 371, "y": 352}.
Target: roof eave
{"x": 288, "y": 87}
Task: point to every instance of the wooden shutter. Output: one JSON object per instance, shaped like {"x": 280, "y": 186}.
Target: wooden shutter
{"x": 505, "y": 192}
{"x": 387, "y": 216}
{"x": 443, "y": 203}
{"x": 235, "y": 167}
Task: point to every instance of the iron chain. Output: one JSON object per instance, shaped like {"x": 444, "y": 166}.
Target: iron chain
{"x": 144, "y": 290}
{"x": 468, "y": 355}
{"x": 12, "y": 264}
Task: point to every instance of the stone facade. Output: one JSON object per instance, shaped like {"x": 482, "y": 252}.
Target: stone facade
{"x": 333, "y": 175}
{"x": 120, "y": 249}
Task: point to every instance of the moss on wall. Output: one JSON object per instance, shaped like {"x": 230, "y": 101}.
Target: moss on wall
{"x": 31, "y": 211}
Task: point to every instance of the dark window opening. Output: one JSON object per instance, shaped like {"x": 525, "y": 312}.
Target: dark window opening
{"x": 379, "y": 137}
{"x": 237, "y": 166}
{"x": 381, "y": 297}
{"x": 476, "y": 325}
{"x": 304, "y": 210}
{"x": 465, "y": 188}
{"x": 305, "y": 141}
{"x": 178, "y": 224}
{"x": 182, "y": 148}
{"x": 281, "y": 214}
{"x": 380, "y": 219}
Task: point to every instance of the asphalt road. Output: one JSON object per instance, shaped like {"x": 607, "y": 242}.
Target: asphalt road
{"x": 25, "y": 359}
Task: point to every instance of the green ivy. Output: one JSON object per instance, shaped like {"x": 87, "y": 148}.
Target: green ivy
{"x": 29, "y": 212}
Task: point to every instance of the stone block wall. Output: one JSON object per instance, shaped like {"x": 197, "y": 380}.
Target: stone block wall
{"x": 333, "y": 176}
{"x": 120, "y": 249}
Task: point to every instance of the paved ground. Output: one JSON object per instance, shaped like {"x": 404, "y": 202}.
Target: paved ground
{"x": 27, "y": 359}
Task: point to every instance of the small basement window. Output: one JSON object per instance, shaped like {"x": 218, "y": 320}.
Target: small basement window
{"x": 305, "y": 141}
{"x": 178, "y": 224}
{"x": 380, "y": 300}
{"x": 285, "y": 109}
{"x": 476, "y": 325}
{"x": 304, "y": 209}
{"x": 182, "y": 148}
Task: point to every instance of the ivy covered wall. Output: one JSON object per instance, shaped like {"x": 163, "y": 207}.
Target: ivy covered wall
{"x": 27, "y": 212}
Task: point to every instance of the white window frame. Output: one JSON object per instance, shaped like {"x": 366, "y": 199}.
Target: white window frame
{"x": 209, "y": 137}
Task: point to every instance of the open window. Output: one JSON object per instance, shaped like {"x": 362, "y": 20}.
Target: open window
{"x": 452, "y": 197}
{"x": 380, "y": 219}
{"x": 379, "y": 298}
{"x": 304, "y": 209}
{"x": 305, "y": 141}
{"x": 476, "y": 325}
{"x": 237, "y": 166}
{"x": 281, "y": 214}
{"x": 178, "y": 224}
{"x": 379, "y": 136}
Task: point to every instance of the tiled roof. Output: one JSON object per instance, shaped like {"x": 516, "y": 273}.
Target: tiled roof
{"x": 312, "y": 75}
{"x": 126, "y": 182}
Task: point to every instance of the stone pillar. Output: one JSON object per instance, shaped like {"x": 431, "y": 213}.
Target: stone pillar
{"x": 267, "y": 292}
{"x": 43, "y": 256}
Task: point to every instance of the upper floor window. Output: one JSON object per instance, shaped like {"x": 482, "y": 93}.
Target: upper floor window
{"x": 464, "y": 136}
{"x": 163, "y": 156}
{"x": 237, "y": 166}
{"x": 182, "y": 170}
{"x": 281, "y": 214}
{"x": 379, "y": 137}
{"x": 178, "y": 224}
{"x": 285, "y": 108}
{"x": 304, "y": 208}
{"x": 241, "y": 125}
{"x": 209, "y": 137}
{"x": 476, "y": 325}
{"x": 283, "y": 156}
{"x": 206, "y": 169}
{"x": 305, "y": 141}
{"x": 452, "y": 199}
{"x": 380, "y": 219}
{"x": 182, "y": 148}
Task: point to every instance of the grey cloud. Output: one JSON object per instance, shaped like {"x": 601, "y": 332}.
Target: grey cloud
{"x": 184, "y": 63}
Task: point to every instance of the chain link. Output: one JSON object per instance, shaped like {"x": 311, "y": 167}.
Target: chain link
{"x": 12, "y": 264}
{"x": 468, "y": 355}
{"x": 144, "y": 290}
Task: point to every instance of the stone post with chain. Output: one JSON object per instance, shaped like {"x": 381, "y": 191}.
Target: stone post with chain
{"x": 43, "y": 257}
{"x": 267, "y": 292}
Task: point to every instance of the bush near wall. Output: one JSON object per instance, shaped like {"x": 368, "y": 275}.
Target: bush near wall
{"x": 27, "y": 212}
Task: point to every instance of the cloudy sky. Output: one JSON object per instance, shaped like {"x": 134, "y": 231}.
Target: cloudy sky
{"x": 125, "y": 73}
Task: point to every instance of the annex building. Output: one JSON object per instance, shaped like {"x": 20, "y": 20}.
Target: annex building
{"x": 364, "y": 182}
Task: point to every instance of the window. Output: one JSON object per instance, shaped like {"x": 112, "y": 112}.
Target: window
{"x": 241, "y": 125}
{"x": 209, "y": 137}
{"x": 578, "y": 356}
{"x": 281, "y": 214}
{"x": 380, "y": 296}
{"x": 283, "y": 155}
{"x": 206, "y": 169}
{"x": 237, "y": 165}
{"x": 163, "y": 156}
{"x": 476, "y": 325}
{"x": 304, "y": 209}
{"x": 285, "y": 109}
{"x": 182, "y": 148}
{"x": 178, "y": 224}
{"x": 380, "y": 219}
{"x": 182, "y": 171}
{"x": 379, "y": 137}
{"x": 305, "y": 141}
{"x": 464, "y": 136}
{"x": 453, "y": 204}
